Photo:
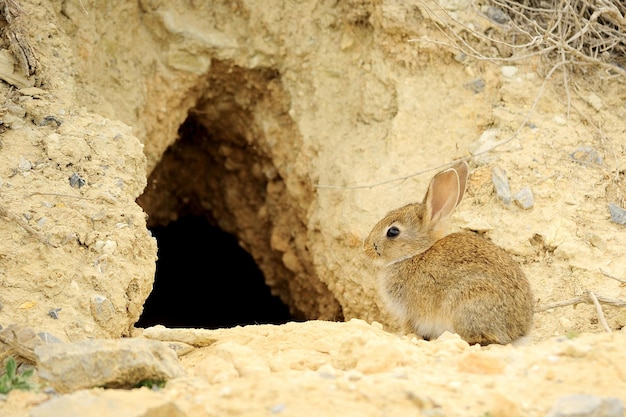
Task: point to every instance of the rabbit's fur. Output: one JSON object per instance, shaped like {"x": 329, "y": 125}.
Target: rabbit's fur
{"x": 461, "y": 282}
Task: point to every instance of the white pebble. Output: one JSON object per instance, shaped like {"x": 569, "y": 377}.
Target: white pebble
{"x": 595, "y": 101}
{"x": 509, "y": 71}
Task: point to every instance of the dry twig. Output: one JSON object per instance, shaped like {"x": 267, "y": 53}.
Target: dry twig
{"x": 589, "y": 298}
{"x": 599, "y": 311}
{"x": 582, "y": 299}
{"x": 606, "y": 274}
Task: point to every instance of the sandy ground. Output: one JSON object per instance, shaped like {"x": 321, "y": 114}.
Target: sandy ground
{"x": 392, "y": 109}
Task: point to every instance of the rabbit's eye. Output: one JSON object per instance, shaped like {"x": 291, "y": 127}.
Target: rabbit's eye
{"x": 392, "y": 232}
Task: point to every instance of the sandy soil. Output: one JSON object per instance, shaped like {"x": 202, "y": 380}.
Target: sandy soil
{"x": 335, "y": 118}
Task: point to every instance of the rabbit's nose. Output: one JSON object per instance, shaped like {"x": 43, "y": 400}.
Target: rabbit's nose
{"x": 371, "y": 250}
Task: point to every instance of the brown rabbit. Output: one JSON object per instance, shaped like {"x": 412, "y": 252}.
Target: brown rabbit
{"x": 461, "y": 282}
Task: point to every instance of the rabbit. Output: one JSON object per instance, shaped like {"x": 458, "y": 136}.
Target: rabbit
{"x": 461, "y": 282}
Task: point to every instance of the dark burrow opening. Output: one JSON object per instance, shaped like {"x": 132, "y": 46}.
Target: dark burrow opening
{"x": 204, "y": 279}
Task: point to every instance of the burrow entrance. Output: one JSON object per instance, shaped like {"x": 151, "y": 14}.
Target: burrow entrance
{"x": 205, "y": 279}
{"x": 222, "y": 216}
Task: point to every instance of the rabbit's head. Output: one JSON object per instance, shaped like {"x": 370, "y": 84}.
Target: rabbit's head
{"x": 412, "y": 229}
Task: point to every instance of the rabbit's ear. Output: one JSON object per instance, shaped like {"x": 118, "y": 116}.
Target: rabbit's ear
{"x": 445, "y": 192}
{"x": 462, "y": 171}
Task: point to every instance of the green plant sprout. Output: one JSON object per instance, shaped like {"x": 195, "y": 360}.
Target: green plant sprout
{"x": 11, "y": 380}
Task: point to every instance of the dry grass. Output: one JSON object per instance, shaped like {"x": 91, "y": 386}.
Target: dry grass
{"x": 576, "y": 33}
{"x": 571, "y": 36}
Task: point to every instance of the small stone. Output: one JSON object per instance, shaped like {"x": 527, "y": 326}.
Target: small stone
{"x": 25, "y": 164}
{"x": 12, "y": 121}
{"x": 560, "y": 120}
{"x": 495, "y": 14}
{"x": 106, "y": 247}
{"x": 292, "y": 262}
{"x": 116, "y": 363}
{"x": 594, "y": 101}
{"x": 477, "y": 85}
{"x": 582, "y": 405}
{"x": 501, "y": 184}
{"x": 480, "y": 147}
{"x": 524, "y": 198}
{"x": 327, "y": 371}
{"x": 76, "y": 181}
{"x": 102, "y": 309}
{"x": 16, "y": 111}
{"x": 586, "y": 155}
{"x": 54, "y": 313}
{"x": 509, "y": 71}
{"x": 26, "y": 339}
{"x": 460, "y": 57}
{"x": 618, "y": 214}
{"x": 50, "y": 120}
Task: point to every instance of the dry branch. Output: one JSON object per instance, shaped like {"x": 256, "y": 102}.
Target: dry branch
{"x": 580, "y": 32}
{"x": 589, "y": 298}
{"x": 606, "y": 274}
{"x": 15, "y": 34}
{"x": 582, "y": 299}
{"x": 599, "y": 311}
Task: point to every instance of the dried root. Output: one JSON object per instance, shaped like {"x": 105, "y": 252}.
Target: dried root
{"x": 590, "y": 298}
{"x": 14, "y": 33}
